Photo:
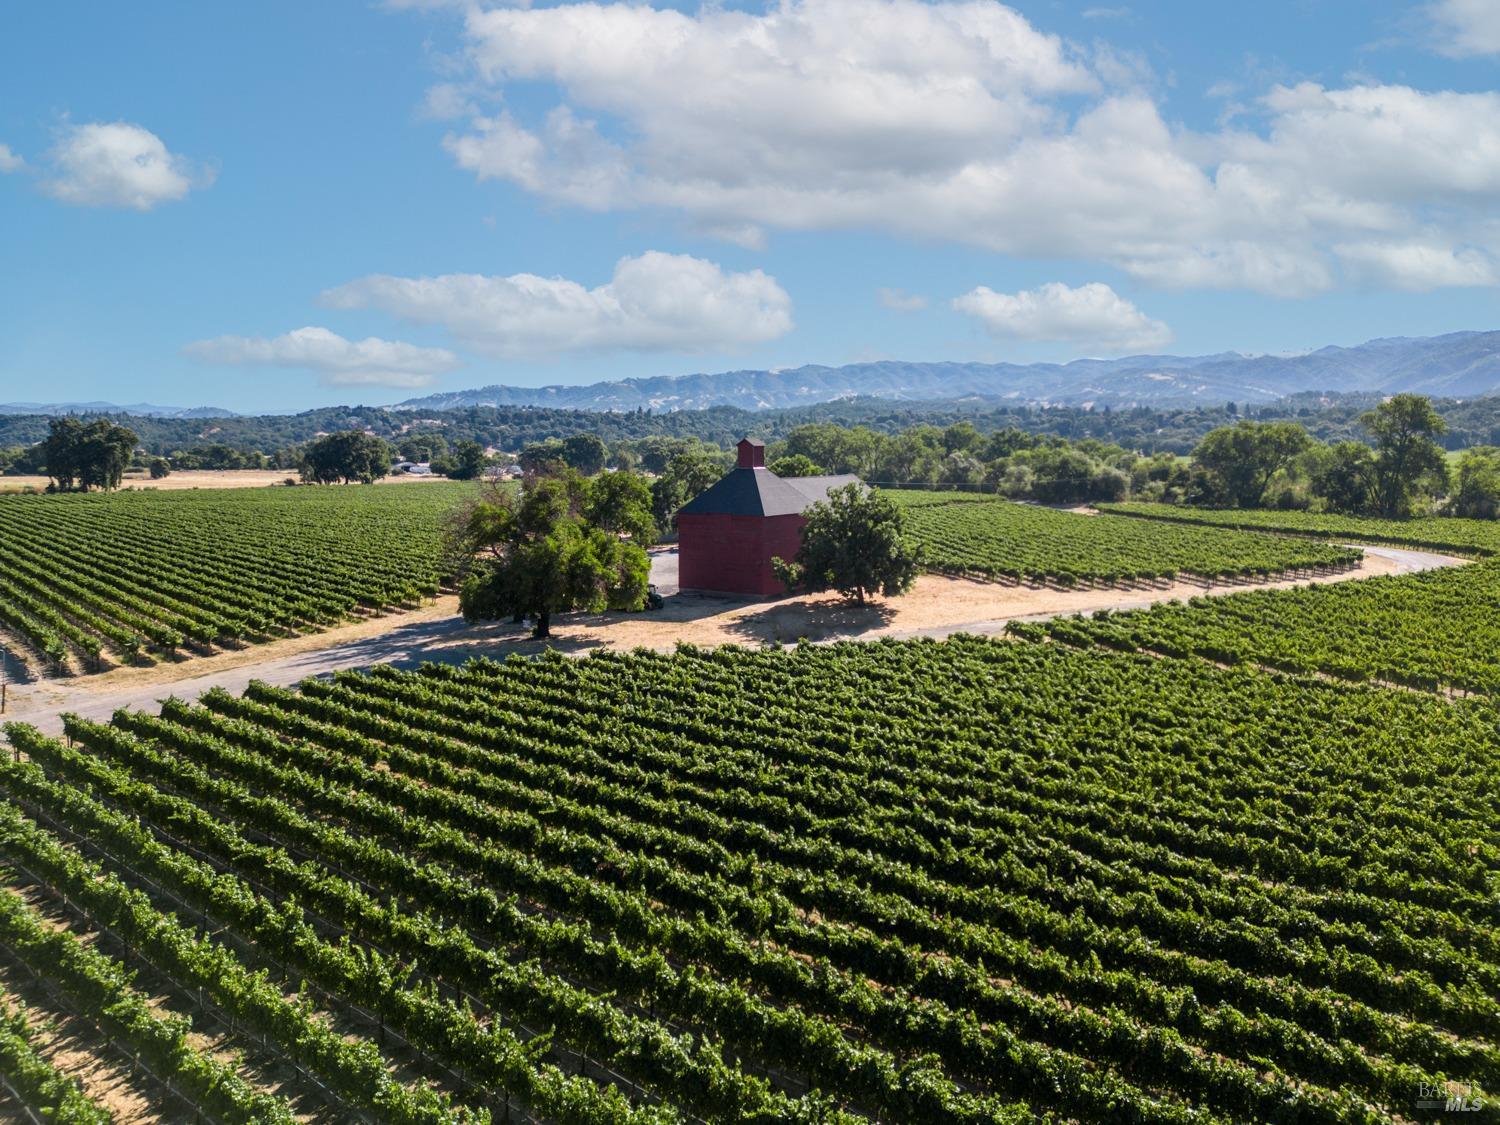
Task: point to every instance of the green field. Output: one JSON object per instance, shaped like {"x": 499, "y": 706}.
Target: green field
{"x": 1470, "y": 537}
{"x": 1439, "y": 630}
{"x": 131, "y": 575}
{"x": 986, "y": 537}
{"x": 958, "y": 883}
{"x": 970, "y": 881}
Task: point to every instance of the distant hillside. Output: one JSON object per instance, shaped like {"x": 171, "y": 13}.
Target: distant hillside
{"x": 1328, "y": 417}
{"x": 139, "y": 409}
{"x": 1459, "y": 365}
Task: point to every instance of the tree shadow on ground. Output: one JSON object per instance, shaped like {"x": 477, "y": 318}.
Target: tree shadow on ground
{"x": 16, "y": 669}
{"x": 451, "y": 641}
{"x": 786, "y": 622}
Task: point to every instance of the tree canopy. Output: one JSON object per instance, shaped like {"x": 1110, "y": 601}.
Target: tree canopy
{"x": 1408, "y": 462}
{"x": 687, "y": 474}
{"x": 1477, "y": 495}
{"x": 620, "y": 502}
{"x": 854, "y": 542}
{"x": 84, "y": 455}
{"x": 1344, "y": 476}
{"x": 1240, "y": 460}
{"x": 348, "y": 457}
{"x": 466, "y": 461}
{"x": 216, "y": 456}
{"x": 534, "y": 552}
{"x": 795, "y": 465}
{"x": 586, "y": 453}
{"x": 423, "y": 445}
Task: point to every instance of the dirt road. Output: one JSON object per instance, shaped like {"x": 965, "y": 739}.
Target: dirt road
{"x": 1399, "y": 560}
{"x": 937, "y": 607}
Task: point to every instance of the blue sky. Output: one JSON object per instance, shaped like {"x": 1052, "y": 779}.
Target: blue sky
{"x": 283, "y": 205}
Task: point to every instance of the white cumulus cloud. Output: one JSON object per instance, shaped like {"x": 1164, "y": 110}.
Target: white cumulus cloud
{"x": 814, "y": 93}
{"x": 119, "y": 165}
{"x": 654, "y": 302}
{"x": 371, "y": 361}
{"x": 959, "y": 120}
{"x": 1415, "y": 265}
{"x": 1090, "y": 316}
{"x": 899, "y": 300}
{"x": 1467, "y": 27}
{"x": 10, "y": 161}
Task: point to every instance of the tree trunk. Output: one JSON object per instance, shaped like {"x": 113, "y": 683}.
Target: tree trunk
{"x": 543, "y": 621}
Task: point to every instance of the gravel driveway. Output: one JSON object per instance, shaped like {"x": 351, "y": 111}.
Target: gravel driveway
{"x": 450, "y": 640}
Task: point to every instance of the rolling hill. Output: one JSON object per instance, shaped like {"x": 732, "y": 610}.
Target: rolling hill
{"x": 1458, "y": 365}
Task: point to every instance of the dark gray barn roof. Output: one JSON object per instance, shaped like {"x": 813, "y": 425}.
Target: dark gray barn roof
{"x": 759, "y": 492}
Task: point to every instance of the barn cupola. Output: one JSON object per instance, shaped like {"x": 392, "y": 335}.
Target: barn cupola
{"x": 752, "y": 453}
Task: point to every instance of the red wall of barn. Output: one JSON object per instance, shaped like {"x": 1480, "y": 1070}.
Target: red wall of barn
{"x": 732, "y": 554}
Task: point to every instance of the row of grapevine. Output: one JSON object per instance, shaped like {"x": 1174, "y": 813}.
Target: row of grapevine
{"x": 958, "y": 882}
{"x": 997, "y": 540}
{"x": 132, "y": 574}
{"x": 1459, "y": 536}
{"x": 696, "y": 1076}
{"x": 35, "y": 1083}
{"x": 1434, "y": 631}
{"x": 355, "y": 1072}
{"x": 100, "y": 987}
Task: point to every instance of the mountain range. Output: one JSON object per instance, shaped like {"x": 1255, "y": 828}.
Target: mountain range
{"x": 1458, "y": 365}
{"x": 139, "y": 409}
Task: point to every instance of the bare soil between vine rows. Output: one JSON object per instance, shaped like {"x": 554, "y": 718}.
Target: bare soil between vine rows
{"x": 937, "y": 606}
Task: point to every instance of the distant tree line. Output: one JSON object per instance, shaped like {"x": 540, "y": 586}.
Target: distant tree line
{"x": 429, "y": 436}
{"x": 1012, "y": 462}
{"x": 218, "y": 456}
{"x": 416, "y": 437}
{"x": 1396, "y": 466}
{"x": 1387, "y": 457}
{"x": 80, "y": 456}
{"x": 1399, "y": 468}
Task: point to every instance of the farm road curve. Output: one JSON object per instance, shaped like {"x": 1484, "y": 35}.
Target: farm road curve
{"x": 452, "y": 640}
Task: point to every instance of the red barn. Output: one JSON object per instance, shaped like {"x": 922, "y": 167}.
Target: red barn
{"x": 728, "y": 535}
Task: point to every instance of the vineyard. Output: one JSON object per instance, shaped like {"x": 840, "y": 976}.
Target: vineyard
{"x": 1465, "y": 537}
{"x": 31, "y": 1081}
{"x": 1439, "y": 630}
{"x": 985, "y": 537}
{"x": 133, "y": 575}
{"x": 969, "y": 881}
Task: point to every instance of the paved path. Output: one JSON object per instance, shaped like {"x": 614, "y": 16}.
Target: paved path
{"x": 448, "y": 640}
{"x": 1410, "y": 562}
{"x": 664, "y": 570}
